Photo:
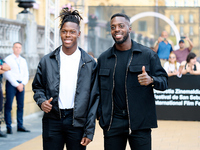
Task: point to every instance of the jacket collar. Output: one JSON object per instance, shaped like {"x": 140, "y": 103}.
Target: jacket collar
{"x": 134, "y": 48}
{"x": 55, "y": 52}
{"x": 84, "y": 57}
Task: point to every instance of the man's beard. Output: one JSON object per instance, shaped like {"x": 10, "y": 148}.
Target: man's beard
{"x": 123, "y": 40}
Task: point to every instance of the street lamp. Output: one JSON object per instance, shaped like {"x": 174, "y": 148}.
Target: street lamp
{"x": 25, "y": 4}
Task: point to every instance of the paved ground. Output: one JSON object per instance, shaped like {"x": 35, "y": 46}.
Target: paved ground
{"x": 31, "y": 122}
{"x": 170, "y": 135}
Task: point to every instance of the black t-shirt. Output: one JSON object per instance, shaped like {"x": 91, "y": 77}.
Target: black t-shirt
{"x": 119, "y": 94}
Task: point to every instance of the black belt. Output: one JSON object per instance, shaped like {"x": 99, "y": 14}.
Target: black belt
{"x": 120, "y": 111}
{"x": 66, "y": 111}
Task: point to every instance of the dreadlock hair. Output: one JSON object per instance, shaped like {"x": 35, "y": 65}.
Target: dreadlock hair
{"x": 69, "y": 16}
{"x": 120, "y": 15}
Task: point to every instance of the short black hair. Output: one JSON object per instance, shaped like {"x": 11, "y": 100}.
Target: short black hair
{"x": 120, "y": 15}
{"x": 69, "y": 16}
{"x": 190, "y": 56}
{"x": 17, "y": 43}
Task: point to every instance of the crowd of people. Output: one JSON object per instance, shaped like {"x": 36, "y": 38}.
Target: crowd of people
{"x": 176, "y": 62}
{"x": 73, "y": 89}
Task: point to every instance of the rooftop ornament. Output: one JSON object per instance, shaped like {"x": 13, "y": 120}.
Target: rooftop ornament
{"x": 25, "y": 4}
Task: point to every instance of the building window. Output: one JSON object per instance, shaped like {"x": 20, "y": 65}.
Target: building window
{"x": 142, "y": 26}
{"x": 185, "y": 2}
{"x": 195, "y": 2}
{"x": 172, "y": 18}
{"x": 181, "y": 19}
{"x": 167, "y": 3}
{"x": 181, "y": 31}
{"x": 191, "y": 30}
{"x": 176, "y": 3}
{"x": 3, "y": 8}
{"x": 191, "y": 18}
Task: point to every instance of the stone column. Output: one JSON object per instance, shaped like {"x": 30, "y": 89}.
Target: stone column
{"x": 30, "y": 41}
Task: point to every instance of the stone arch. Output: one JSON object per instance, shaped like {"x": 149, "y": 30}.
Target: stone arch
{"x": 161, "y": 16}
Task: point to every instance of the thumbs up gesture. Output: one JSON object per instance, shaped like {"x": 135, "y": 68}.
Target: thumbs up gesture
{"x": 144, "y": 78}
{"x": 46, "y": 105}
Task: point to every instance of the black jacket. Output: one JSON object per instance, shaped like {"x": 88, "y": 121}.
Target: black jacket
{"x": 46, "y": 85}
{"x": 140, "y": 99}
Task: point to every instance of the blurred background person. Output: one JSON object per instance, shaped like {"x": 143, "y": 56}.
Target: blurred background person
{"x": 181, "y": 54}
{"x": 3, "y": 67}
{"x": 163, "y": 47}
{"x": 191, "y": 66}
{"x": 16, "y": 79}
{"x": 172, "y": 66}
{"x": 92, "y": 54}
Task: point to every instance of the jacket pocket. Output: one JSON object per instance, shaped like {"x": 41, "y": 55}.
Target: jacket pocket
{"x": 138, "y": 68}
{"x": 104, "y": 75}
{"x": 134, "y": 72}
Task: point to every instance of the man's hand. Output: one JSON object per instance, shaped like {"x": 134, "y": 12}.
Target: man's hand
{"x": 144, "y": 78}
{"x": 20, "y": 87}
{"x": 160, "y": 39}
{"x": 187, "y": 38}
{"x": 46, "y": 106}
{"x": 85, "y": 141}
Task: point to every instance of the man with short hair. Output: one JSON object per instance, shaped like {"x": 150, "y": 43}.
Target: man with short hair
{"x": 127, "y": 74}
{"x": 163, "y": 47}
{"x": 182, "y": 52}
{"x": 16, "y": 79}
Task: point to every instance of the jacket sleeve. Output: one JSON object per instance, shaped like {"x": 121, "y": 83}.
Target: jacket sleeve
{"x": 38, "y": 86}
{"x": 158, "y": 74}
{"x": 92, "y": 109}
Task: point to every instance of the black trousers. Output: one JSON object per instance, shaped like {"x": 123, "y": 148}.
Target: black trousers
{"x": 57, "y": 133}
{"x": 116, "y": 138}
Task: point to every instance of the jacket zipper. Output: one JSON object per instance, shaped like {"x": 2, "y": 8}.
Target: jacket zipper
{"x": 127, "y": 95}
{"x": 112, "y": 93}
{"x": 76, "y": 88}
{"x": 58, "y": 87}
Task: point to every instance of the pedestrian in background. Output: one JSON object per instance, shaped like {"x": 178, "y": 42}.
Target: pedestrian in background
{"x": 163, "y": 47}
{"x": 172, "y": 66}
{"x": 182, "y": 52}
{"x": 190, "y": 66}
{"x": 92, "y": 54}
{"x": 16, "y": 79}
{"x": 3, "y": 68}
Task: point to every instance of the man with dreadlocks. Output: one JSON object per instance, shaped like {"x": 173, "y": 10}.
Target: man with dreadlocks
{"x": 63, "y": 89}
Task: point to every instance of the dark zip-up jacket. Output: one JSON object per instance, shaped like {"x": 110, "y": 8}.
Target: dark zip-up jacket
{"x": 140, "y": 99}
{"x": 46, "y": 85}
